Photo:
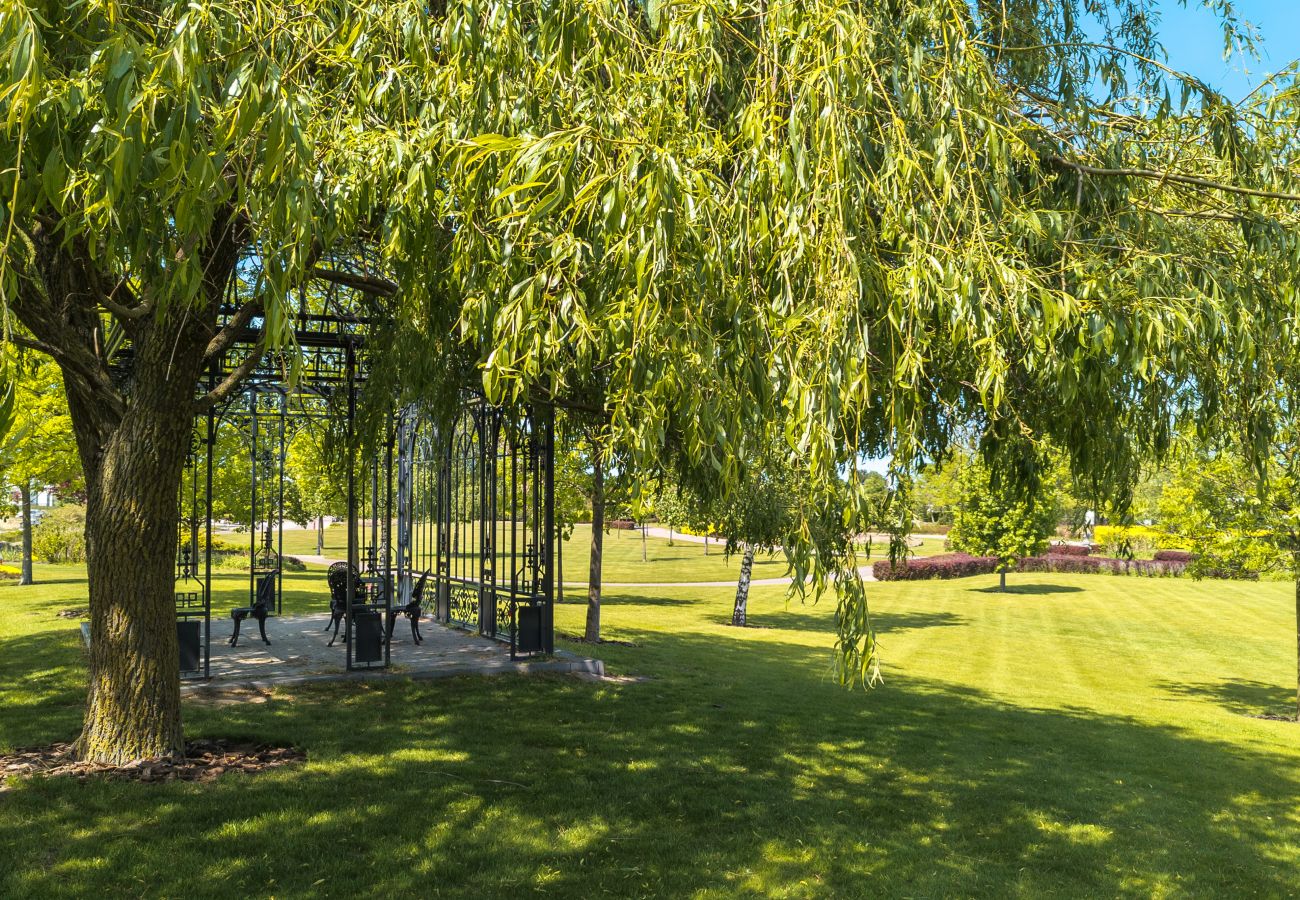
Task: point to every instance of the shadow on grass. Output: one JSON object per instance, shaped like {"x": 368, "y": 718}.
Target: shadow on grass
{"x": 739, "y": 769}
{"x": 797, "y": 620}
{"x": 1248, "y": 698}
{"x": 1032, "y": 589}
{"x": 42, "y": 687}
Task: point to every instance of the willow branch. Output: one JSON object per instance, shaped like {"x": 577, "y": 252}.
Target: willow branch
{"x": 231, "y": 382}
{"x": 136, "y": 311}
{"x": 1192, "y": 180}
{"x": 367, "y": 284}
{"x": 224, "y": 338}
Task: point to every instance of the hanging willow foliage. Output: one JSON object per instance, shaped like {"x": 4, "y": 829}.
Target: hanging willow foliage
{"x": 858, "y": 225}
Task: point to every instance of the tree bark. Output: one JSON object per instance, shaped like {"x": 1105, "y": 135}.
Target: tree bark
{"x": 559, "y": 564}
{"x": 320, "y": 535}
{"x": 1002, "y": 579}
{"x": 133, "y": 708}
{"x": 132, "y": 420}
{"x": 1295, "y": 567}
{"x": 643, "y": 551}
{"x": 26, "y": 576}
{"x": 706, "y": 543}
{"x": 739, "y": 615}
{"x": 597, "y": 546}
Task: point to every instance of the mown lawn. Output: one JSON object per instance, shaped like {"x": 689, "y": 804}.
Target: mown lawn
{"x": 681, "y": 560}
{"x": 1081, "y": 736}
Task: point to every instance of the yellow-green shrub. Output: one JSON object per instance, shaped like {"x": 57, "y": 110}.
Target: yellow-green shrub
{"x": 1140, "y": 540}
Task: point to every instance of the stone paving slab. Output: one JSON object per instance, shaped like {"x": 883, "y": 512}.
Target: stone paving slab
{"x": 300, "y": 653}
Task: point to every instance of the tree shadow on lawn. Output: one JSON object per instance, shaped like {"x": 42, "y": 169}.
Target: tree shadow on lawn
{"x": 42, "y": 687}
{"x": 1240, "y": 696}
{"x": 884, "y": 622}
{"x": 746, "y": 771}
{"x": 1033, "y": 589}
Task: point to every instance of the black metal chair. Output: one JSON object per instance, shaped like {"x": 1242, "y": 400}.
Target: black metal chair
{"x": 337, "y": 578}
{"x": 261, "y": 608}
{"x": 413, "y": 611}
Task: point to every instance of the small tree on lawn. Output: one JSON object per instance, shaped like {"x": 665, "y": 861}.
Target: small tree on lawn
{"x": 39, "y": 449}
{"x": 320, "y": 487}
{"x": 992, "y": 522}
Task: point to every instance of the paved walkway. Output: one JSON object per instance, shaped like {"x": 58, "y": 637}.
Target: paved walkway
{"x": 299, "y": 653}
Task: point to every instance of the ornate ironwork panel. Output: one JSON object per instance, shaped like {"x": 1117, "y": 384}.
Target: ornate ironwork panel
{"x": 478, "y": 501}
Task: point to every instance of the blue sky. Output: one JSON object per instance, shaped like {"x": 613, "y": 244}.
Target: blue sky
{"x": 1194, "y": 41}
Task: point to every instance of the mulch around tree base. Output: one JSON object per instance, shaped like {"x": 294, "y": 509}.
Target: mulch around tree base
{"x": 204, "y": 761}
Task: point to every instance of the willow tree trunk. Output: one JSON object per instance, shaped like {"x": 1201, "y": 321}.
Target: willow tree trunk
{"x": 1295, "y": 567}
{"x": 597, "y": 547}
{"x": 133, "y": 708}
{"x": 739, "y": 615}
{"x": 132, "y": 418}
{"x": 26, "y": 575}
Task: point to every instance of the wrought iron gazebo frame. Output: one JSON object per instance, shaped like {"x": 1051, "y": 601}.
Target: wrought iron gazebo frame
{"x": 508, "y": 455}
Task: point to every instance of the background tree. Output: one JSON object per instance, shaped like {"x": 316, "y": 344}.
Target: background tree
{"x": 38, "y": 450}
{"x": 319, "y": 485}
{"x": 1236, "y": 526}
{"x": 936, "y": 493}
{"x": 991, "y": 520}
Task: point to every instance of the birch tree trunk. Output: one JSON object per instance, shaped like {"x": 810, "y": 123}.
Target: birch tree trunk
{"x": 26, "y": 576}
{"x": 739, "y": 615}
{"x": 597, "y": 547}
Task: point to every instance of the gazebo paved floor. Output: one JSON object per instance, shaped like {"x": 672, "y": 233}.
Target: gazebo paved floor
{"x": 299, "y": 653}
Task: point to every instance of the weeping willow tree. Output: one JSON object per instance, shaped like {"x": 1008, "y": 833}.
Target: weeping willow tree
{"x": 851, "y": 226}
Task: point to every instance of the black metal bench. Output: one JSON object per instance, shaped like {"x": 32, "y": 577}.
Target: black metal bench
{"x": 412, "y": 610}
{"x": 260, "y": 609}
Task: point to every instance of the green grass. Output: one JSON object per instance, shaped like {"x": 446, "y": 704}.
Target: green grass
{"x": 1079, "y": 736}
{"x": 682, "y": 560}
{"x": 679, "y": 561}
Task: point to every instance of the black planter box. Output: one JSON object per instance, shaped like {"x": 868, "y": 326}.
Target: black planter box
{"x": 189, "y": 635}
{"x": 368, "y": 637}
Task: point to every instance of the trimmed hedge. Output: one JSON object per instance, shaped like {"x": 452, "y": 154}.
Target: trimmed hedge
{"x": 962, "y": 565}
{"x": 1182, "y": 556}
{"x": 947, "y": 565}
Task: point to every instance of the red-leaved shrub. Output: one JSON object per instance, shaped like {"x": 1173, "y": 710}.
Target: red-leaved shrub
{"x": 948, "y": 565}
{"x": 1182, "y": 556}
{"x": 1069, "y": 550}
